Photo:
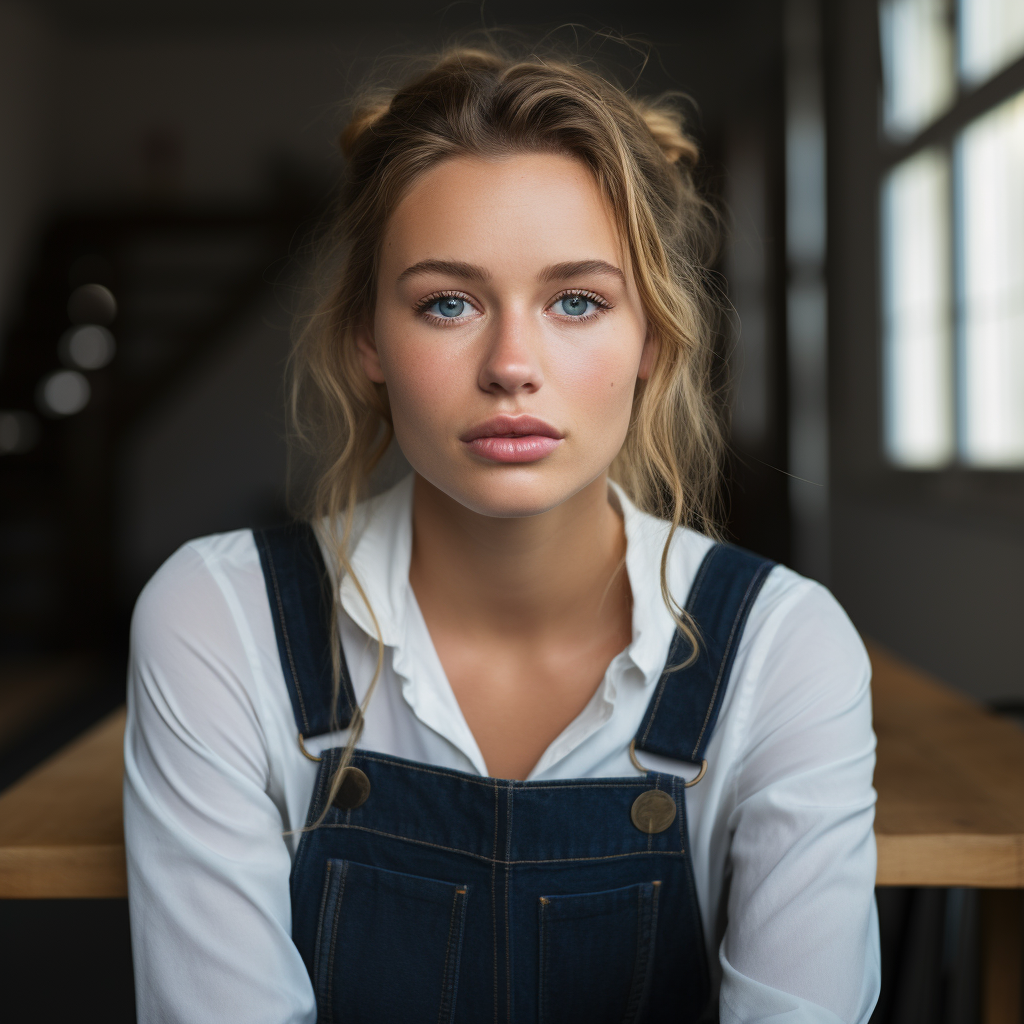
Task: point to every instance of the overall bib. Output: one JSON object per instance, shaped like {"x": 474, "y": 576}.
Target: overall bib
{"x": 431, "y": 895}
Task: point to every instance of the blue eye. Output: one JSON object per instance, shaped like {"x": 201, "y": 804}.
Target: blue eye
{"x": 450, "y": 307}
{"x": 575, "y": 305}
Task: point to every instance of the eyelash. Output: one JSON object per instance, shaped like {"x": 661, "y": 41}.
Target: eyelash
{"x": 603, "y": 305}
{"x": 443, "y": 321}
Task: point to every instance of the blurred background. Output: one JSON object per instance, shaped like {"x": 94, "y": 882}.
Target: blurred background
{"x": 165, "y": 169}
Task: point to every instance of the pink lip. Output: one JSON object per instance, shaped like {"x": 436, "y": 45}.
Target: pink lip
{"x": 512, "y": 439}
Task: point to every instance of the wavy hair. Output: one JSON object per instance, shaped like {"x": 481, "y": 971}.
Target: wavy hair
{"x": 486, "y": 102}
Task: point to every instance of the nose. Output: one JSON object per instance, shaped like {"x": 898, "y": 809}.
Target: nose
{"x": 511, "y": 363}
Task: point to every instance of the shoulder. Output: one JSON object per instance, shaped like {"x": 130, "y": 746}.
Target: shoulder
{"x": 804, "y": 669}
{"x": 202, "y": 658}
{"x": 198, "y": 593}
{"x": 797, "y": 622}
{"x": 793, "y": 619}
{"x": 798, "y": 644}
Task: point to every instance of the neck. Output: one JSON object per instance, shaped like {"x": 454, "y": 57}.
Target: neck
{"x": 531, "y": 577}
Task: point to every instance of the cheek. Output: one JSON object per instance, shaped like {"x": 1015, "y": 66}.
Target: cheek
{"x": 600, "y": 385}
{"x": 419, "y": 390}
{"x": 423, "y": 377}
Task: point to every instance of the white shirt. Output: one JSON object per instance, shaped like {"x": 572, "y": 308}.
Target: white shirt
{"x": 780, "y": 827}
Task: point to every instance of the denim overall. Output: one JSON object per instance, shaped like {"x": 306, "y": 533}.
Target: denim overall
{"x": 431, "y": 895}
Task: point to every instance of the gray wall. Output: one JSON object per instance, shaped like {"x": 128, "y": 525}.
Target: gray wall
{"x": 947, "y": 595}
{"x": 25, "y": 139}
{"x": 212, "y": 456}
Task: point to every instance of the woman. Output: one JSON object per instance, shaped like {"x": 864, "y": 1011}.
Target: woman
{"x": 613, "y": 770}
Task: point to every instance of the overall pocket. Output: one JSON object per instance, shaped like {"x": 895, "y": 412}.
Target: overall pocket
{"x": 388, "y": 946}
{"x": 596, "y": 955}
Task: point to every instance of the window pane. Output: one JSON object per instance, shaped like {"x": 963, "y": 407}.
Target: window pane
{"x": 918, "y": 62}
{"x": 916, "y": 308}
{"x": 992, "y": 210}
{"x": 991, "y": 36}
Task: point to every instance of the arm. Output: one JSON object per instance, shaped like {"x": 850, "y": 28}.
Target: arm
{"x": 208, "y": 866}
{"x": 801, "y": 943}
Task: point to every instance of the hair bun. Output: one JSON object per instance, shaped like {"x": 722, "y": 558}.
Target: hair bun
{"x": 667, "y": 128}
{"x": 364, "y": 118}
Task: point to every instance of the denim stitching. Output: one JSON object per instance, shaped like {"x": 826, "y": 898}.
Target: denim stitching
{"x": 323, "y": 786}
{"x": 284, "y": 633}
{"x": 662, "y": 686}
{"x": 530, "y": 787}
{"x": 679, "y": 799}
{"x": 495, "y": 860}
{"x": 647, "y": 909}
{"x": 650, "y": 835}
{"x": 314, "y": 809}
{"x": 702, "y": 573}
{"x": 690, "y": 600}
{"x": 334, "y": 942}
{"x": 652, "y": 936}
{"x": 741, "y": 614}
{"x": 694, "y": 909}
{"x": 320, "y": 926}
{"x": 300, "y": 852}
{"x": 494, "y": 909}
{"x": 508, "y": 951}
{"x": 447, "y": 953}
{"x": 632, "y": 1005}
{"x": 318, "y": 806}
{"x": 542, "y": 980}
{"x": 490, "y": 782}
{"x": 606, "y": 856}
{"x": 464, "y": 893}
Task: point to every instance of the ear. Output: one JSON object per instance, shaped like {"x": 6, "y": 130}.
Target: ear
{"x": 368, "y": 355}
{"x": 647, "y": 356}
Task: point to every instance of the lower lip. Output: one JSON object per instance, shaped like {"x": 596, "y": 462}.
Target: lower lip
{"x": 527, "y": 448}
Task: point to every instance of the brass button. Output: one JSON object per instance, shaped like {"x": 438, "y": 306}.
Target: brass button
{"x": 353, "y": 791}
{"x": 653, "y": 811}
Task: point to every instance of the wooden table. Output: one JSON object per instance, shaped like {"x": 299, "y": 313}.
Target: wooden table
{"x": 950, "y": 781}
{"x": 61, "y": 831}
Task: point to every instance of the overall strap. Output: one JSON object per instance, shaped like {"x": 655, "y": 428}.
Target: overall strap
{"x": 299, "y": 590}
{"x": 681, "y": 716}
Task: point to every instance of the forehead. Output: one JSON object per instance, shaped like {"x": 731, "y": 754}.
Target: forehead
{"x": 512, "y": 212}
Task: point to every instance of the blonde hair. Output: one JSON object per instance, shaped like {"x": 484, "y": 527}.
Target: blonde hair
{"x": 484, "y": 101}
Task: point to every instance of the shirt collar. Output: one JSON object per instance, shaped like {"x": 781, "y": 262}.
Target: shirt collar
{"x": 653, "y": 625}
{"x": 383, "y": 550}
{"x": 380, "y": 562}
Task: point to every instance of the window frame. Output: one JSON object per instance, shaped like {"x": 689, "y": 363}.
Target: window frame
{"x": 997, "y": 488}
{"x": 859, "y": 157}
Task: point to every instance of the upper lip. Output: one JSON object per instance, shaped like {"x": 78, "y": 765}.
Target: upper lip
{"x": 511, "y": 426}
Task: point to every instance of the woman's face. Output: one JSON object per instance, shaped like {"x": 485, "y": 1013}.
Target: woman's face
{"x": 508, "y": 331}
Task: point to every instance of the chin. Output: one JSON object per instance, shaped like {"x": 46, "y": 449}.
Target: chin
{"x": 509, "y": 492}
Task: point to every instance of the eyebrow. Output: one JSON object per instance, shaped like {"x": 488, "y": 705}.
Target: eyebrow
{"x": 453, "y": 268}
{"x": 470, "y": 272}
{"x": 581, "y": 268}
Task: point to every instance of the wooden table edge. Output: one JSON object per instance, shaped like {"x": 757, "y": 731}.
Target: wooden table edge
{"x": 951, "y": 860}
{"x": 63, "y": 872}
{"x": 90, "y": 872}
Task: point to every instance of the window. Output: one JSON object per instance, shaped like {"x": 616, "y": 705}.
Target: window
{"x": 991, "y": 37}
{"x": 990, "y": 155}
{"x": 952, "y": 233}
{"x": 918, "y": 57}
{"x": 917, "y": 325}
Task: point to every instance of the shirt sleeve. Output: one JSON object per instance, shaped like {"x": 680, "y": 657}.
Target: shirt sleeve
{"x": 208, "y": 865}
{"x": 801, "y": 940}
